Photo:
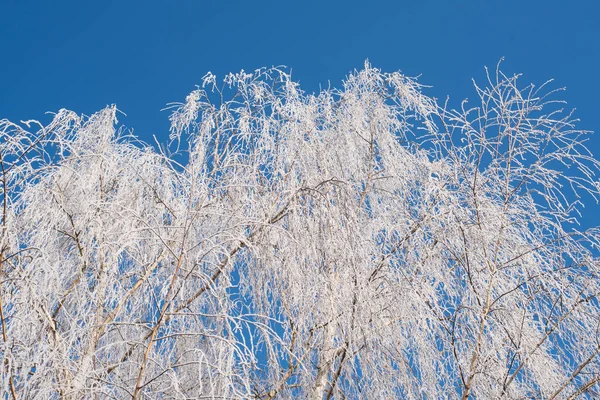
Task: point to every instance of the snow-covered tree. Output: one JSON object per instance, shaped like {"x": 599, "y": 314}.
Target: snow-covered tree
{"x": 360, "y": 243}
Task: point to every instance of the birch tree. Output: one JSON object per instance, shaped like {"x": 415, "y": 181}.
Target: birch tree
{"x": 365, "y": 242}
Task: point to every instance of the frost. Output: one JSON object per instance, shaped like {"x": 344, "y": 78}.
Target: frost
{"x": 362, "y": 242}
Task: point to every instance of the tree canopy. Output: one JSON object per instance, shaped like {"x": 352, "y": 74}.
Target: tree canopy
{"x": 361, "y": 242}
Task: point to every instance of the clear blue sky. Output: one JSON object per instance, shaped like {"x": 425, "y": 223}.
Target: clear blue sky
{"x": 140, "y": 55}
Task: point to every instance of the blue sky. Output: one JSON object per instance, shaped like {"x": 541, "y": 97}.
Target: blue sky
{"x": 140, "y": 55}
